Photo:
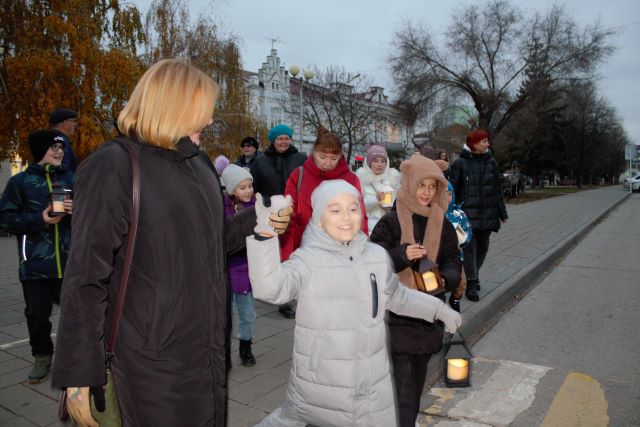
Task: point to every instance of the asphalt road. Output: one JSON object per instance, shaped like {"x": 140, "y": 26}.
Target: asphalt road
{"x": 568, "y": 354}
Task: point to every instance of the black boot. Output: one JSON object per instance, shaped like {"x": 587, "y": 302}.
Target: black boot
{"x": 472, "y": 293}
{"x": 287, "y": 311}
{"x": 454, "y": 304}
{"x": 246, "y": 356}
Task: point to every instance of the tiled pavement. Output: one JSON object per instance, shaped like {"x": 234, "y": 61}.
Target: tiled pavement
{"x": 536, "y": 235}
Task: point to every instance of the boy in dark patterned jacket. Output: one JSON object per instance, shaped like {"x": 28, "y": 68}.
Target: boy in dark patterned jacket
{"x": 43, "y": 239}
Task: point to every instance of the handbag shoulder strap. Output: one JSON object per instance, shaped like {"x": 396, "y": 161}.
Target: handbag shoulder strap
{"x": 133, "y": 229}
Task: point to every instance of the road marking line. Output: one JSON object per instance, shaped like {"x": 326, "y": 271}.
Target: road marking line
{"x": 579, "y": 402}
{"x": 9, "y": 345}
{"x": 13, "y": 344}
{"x": 509, "y": 391}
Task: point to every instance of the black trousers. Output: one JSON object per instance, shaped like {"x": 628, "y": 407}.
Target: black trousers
{"x": 40, "y": 295}
{"x": 474, "y": 254}
{"x": 409, "y": 376}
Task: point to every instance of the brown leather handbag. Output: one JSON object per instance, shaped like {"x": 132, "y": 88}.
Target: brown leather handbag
{"x": 107, "y": 413}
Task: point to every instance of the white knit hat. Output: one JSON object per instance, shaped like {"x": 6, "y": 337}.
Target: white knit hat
{"x": 233, "y": 175}
{"x": 328, "y": 190}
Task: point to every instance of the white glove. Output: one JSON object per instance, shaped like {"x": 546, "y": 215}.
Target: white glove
{"x": 274, "y": 219}
{"x": 451, "y": 319}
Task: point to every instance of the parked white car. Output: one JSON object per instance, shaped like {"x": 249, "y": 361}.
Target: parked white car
{"x": 634, "y": 182}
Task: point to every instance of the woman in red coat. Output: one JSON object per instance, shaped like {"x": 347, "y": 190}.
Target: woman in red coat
{"x": 326, "y": 162}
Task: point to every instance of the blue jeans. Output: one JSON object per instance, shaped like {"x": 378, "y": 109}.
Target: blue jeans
{"x": 246, "y": 309}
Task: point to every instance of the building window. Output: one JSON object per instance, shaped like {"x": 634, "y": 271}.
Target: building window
{"x": 276, "y": 116}
{"x": 393, "y": 134}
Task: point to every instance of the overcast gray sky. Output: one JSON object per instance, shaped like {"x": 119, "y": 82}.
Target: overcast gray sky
{"x": 356, "y": 34}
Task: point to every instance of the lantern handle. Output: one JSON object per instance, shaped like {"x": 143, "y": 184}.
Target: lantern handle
{"x": 464, "y": 340}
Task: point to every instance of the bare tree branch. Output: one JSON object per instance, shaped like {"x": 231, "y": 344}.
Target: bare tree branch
{"x": 486, "y": 54}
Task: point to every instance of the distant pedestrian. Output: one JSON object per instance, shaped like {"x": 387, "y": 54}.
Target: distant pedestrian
{"x": 515, "y": 179}
{"x": 417, "y": 229}
{"x": 250, "y": 152}
{"x": 477, "y": 186}
{"x": 344, "y": 284}
{"x": 65, "y": 121}
{"x": 379, "y": 182}
{"x": 443, "y": 161}
{"x": 271, "y": 170}
{"x": 43, "y": 239}
{"x": 239, "y": 196}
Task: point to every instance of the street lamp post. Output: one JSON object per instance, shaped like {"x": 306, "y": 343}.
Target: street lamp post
{"x": 306, "y": 75}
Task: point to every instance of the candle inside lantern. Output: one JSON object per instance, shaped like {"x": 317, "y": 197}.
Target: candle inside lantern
{"x": 58, "y": 196}
{"x": 58, "y": 206}
{"x": 457, "y": 369}
{"x": 430, "y": 281}
{"x": 387, "y": 199}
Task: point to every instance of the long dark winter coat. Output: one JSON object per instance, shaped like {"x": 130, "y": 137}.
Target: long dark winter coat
{"x": 271, "y": 170}
{"x": 169, "y": 364}
{"x": 477, "y": 185}
{"x": 409, "y": 335}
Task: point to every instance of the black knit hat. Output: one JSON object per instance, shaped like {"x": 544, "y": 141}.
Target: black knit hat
{"x": 40, "y": 141}
{"x": 251, "y": 140}
{"x": 60, "y": 115}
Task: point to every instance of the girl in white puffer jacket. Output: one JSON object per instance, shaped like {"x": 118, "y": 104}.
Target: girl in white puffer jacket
{"x": 340, "y": 371}
{"x": 376, "y": 179}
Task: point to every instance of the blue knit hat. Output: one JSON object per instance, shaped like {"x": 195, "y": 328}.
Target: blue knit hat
{"x": 278, "y": 130}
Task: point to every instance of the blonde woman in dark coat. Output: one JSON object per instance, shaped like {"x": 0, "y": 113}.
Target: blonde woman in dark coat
{"x": 169, "y": 363}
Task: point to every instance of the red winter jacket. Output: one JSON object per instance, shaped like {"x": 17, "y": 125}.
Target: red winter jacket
{"x": 311, "y": 178}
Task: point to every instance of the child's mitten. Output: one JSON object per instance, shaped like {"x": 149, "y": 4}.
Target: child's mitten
{"x": 274, "y": 219}
{"x": 451, "y": 319}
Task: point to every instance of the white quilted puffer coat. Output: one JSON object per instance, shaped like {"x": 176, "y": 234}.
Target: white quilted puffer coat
{"x": 340, "y": 368}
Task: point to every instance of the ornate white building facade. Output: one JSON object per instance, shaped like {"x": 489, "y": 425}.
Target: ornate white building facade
{"x": 273, "y": 96}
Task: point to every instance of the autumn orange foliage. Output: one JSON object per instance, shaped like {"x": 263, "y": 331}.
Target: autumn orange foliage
{"x": 87, "y": 55}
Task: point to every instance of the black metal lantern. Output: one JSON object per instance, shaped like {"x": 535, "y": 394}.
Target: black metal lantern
{"x": 457, "y": 362}
{"x": 58, "y": 196}
{"x": 427, "y": 277}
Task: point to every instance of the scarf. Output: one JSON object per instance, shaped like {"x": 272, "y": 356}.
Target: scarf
{"x": 414, "y": 171}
